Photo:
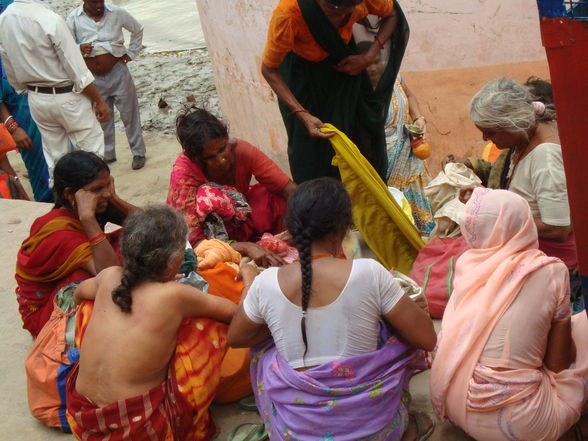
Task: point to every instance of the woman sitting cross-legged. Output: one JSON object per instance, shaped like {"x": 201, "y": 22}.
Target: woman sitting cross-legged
{"x": 68, "y": 244}
{"x": 511, "y": 363}
{"x": 336, "y": 370}
{"x": 211, "y": 186}
{"x": 146, "y": 373}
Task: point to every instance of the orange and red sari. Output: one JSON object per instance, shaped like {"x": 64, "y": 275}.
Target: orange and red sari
{"x": 51, "y": 257}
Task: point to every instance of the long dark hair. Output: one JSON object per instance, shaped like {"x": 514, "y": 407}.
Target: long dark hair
{"x": 151, "y": 239}
{"x": 75, "y": 170}
{"x": 316, "y": 209}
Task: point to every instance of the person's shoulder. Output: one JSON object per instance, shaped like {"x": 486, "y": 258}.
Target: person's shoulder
{"x": 115, "y": 9}
{"x": 75, "y": 13}
{"x": 288, "y": 8}
{"x": 547, "y": 151}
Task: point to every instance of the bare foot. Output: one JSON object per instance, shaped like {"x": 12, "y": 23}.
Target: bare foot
{"x": 420, "y": 427}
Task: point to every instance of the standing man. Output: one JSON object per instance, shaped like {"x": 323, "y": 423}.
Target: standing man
{"x": 40, "y": 57}
{"x": 98, "y": 29}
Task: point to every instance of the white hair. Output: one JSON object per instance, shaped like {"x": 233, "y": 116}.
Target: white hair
{"x": 504, "y": 104}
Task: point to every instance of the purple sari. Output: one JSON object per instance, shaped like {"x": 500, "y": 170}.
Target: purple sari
{"x": 353, "y": 398}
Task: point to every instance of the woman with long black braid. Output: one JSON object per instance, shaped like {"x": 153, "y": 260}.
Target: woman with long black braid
{"x": 325, "y": 317}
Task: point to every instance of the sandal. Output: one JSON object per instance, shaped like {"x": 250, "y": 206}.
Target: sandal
{"x": 256, "y": 432}
{"x": 248, "y": 403}
{"x": 420, "y": 421}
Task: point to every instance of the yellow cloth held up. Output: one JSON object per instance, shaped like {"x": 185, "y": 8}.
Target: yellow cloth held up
{"x": 382, "y": 223}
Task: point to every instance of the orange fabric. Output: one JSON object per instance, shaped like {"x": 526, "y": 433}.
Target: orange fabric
{"x": 491, "y": 152}
{"x": 235, "y": 380}
{"x": 44, "y": 366}
{"x": 6, "y": 141}
{"x": 288, "y": 31}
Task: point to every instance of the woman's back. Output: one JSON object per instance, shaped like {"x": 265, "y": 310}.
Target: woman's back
{"x": 347, "y": 303}
{"x": 125, "y": 354}
{"x": 519, "y": 339}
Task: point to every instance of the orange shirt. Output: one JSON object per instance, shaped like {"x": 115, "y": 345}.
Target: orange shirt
{"x": 288, "y": 31}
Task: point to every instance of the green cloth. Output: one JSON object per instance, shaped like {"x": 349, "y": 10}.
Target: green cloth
{"x": 493, "y": 174}
{"x": 348, "y": 102}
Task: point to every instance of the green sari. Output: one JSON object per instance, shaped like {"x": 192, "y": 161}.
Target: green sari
{"x": 348, "y": 102}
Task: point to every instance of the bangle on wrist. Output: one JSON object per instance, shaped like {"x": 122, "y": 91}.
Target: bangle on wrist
{"x": 377, "y": 40}
{"x": 8, "y": 119}
{"x": 301, "y": 110}
{"x": 97, "y": 239}
{"x": 420, "y": 117}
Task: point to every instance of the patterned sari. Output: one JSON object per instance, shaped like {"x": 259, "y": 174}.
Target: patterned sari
{"x": 353, "y": 398}
{"x": 405, "y": 171}
{"x": 53, "y": 256}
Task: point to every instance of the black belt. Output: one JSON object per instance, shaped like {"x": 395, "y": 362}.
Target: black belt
{"x": 51, "y": 90}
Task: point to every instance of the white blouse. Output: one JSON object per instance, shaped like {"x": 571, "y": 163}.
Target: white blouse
{"x": 347, "y": 326}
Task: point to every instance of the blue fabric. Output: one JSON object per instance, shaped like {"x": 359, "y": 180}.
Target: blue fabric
{"x": 551, "y": 8}
{"x": 73, "y": 356}
{"x": 18, "y": 106}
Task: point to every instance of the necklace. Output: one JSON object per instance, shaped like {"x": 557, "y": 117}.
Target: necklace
{"x": 317, "y": 256}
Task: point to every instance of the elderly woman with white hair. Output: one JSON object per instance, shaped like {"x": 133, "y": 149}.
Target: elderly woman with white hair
{"x": 507, "y": 114}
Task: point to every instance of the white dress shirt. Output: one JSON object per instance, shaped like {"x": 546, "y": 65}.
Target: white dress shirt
{"x": 107, "y": 33}
{"x": 37, "y": 49}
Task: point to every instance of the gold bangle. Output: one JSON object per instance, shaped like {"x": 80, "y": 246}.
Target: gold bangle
{"x": 419, "y": 117}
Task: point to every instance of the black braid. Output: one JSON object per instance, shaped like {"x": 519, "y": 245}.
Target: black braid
{"x": 316, "y": 209}
{"x": 122, "y": 294}
{"x": 303, "y": 244}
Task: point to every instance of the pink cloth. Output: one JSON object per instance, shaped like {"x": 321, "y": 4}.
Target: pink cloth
{"x": 527, "y": 401}
{"x": 267, "y": 206}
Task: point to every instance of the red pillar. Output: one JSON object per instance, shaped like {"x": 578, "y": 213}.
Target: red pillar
{"x": 566, "y": 44}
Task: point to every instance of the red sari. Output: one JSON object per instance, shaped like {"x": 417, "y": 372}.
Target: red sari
{"x": 53, "y": 256}
{"x": 267, "y": 206}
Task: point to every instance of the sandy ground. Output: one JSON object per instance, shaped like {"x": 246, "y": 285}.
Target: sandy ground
{"x": 140, "y": 187}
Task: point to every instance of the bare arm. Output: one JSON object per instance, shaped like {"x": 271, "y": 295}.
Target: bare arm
{"x": 86, "y": 290}
{"x": 414, "y": 109}
{"x": 413, "y": 324}
{"x": 244, "y": 333}
{"x": 356, "y": 64}
{"x": 552, "y": 232}
{"x": 121, "y": 205}
{"x": 6, "y": 166}
{"x": 279, "y": 86}
{"x": 21, "y": 138}
{"x": 262, "y": 256}
{"x": 288, "y": 189}
{"x": 191, "y": 302}
{"x": 561, "y": 349}
{"x": 103, "y": 253}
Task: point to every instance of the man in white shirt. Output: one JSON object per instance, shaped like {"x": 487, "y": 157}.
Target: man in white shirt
{"x": 98, "y": 29}
{"x": 41, "y": 58}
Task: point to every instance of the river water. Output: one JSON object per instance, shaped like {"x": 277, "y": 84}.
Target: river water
{"x": 170, "y": 25}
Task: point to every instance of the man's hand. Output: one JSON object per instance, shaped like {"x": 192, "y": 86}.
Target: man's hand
{"x": 21, "y": 139}
{"x": 86, "y": 49}
{"x": 353, "y": 64}
{"x": 313, "y": 125}
{"x": 125, "y": 59}
{"x": 102, "y": 111}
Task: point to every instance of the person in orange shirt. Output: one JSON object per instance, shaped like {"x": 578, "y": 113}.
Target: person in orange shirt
{"x": 311, "y": 63}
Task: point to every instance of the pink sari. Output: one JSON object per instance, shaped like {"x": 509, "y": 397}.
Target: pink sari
{"x": 526, "y": 401}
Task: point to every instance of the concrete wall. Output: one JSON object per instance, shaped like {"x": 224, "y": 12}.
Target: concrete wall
{"x": 455, "y": 47}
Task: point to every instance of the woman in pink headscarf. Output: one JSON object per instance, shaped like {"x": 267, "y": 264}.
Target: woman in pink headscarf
{"x": 509, "y": 364}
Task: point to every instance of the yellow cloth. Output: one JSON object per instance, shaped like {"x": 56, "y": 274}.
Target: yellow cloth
{"x": 210, "y": 252}
{"x": 382, "y": 223}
